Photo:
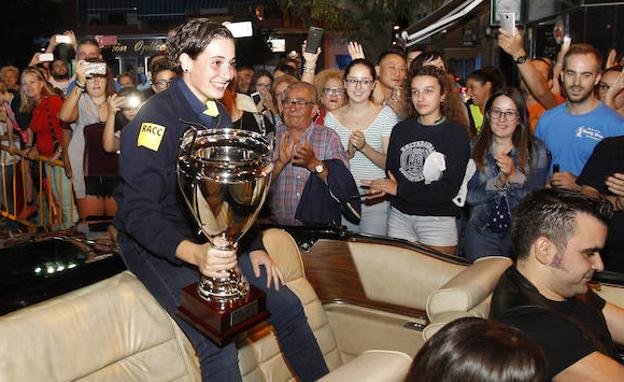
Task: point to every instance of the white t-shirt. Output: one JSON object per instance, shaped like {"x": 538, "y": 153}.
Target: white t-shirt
{"x": 361, "y": 166}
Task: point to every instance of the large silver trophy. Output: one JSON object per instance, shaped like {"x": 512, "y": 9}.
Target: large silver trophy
{"x": 224, "y": 176}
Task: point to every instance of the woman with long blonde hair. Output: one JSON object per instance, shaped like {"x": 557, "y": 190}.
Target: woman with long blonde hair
{"x": 46, "y": 137}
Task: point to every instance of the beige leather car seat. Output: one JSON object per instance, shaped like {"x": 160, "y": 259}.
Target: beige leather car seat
{"x": 468, "y": 294}
{"x": 114, "y": 330}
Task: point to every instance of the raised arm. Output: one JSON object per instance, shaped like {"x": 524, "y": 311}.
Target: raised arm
{"x": 537, "y": 85}
{"x": 69, "y": 110}
{"x": 110, "y": 142}
{"x": 309, "y": 63}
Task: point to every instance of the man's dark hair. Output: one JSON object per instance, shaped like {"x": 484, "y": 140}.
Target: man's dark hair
{"x": 389, "y": 52}
{"x": 476, "y": 350}
{"x": 192, "y": 38}
{"x": 551, "y": 212}
{"x": 584, "y": 49}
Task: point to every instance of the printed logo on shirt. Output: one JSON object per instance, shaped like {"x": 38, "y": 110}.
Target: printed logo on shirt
{"x": 412, "y": 160}
{"x": 150, "y": 136}
{"x": 589, "y": 132}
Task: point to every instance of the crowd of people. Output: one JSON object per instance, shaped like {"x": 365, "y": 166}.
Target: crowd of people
{"x": 388, "y": 148}
{"x": 428, "y": 164}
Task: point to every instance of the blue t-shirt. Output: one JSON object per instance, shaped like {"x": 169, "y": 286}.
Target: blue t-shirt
{"x": 572, "y": 138}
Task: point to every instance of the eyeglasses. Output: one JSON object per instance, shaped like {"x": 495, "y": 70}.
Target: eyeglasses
{"x": 163, "y": 84}
{"x": 509, "y": 115}
{"x": 336, "y": 91}
{"x": 296, "y": 102}
{"x": 266, "y": 86}
{"x": 355, "y": 82}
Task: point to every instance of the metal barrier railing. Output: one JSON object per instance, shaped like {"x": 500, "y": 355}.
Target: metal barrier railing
{"x": 50, "y": 191}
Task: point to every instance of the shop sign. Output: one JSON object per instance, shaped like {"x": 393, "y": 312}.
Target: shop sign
{"x": 139, "y": 47}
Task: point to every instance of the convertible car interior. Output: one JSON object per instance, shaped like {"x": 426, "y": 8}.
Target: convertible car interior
{"x": 372, "y": 302}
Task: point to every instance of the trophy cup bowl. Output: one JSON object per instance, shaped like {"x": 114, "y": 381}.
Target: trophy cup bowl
{"x": 224, "y": 177}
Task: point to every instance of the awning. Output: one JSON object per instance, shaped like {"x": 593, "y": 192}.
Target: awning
{"x": 439, "y": 20}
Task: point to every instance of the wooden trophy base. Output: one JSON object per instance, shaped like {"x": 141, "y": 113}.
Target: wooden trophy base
{"x": 220, "y": 325}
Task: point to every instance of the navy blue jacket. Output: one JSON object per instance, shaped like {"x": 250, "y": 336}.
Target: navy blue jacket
{"x": 317, "y": 206}
{"x": 150, "y": 209}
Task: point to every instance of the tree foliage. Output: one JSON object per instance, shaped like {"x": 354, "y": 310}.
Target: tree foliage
{"x": 358, "y": 17}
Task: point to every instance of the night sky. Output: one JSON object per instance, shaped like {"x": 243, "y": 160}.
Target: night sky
{"x": 26, "y": 21}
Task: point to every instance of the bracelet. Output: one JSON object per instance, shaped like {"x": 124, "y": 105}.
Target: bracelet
{"x": 308, "y": 69}
{"x": 80, "y": 86}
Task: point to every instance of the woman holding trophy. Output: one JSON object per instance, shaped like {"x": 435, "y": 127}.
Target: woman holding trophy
{"x": 158, "y": 237}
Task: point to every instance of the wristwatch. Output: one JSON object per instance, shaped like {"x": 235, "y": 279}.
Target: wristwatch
{"x": 319, "y": 168}
{"x": 521, "y": 60}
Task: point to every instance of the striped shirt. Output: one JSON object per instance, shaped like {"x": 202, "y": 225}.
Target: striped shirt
{"x": 286, "y": 190}
{"x": 381, "y": 127}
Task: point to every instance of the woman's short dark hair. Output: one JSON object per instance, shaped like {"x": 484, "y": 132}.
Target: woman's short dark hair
{"x": 159, "y": 65}
{"x": 256, "y": 76}
{"x": 361, "y": 61}
{"x": 476, "y": 350}
{"x": 192, "y": 38}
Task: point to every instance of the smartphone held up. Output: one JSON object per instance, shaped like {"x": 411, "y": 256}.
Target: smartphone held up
{"x": 508, "y": 23}
{"x": 315, "y": 36}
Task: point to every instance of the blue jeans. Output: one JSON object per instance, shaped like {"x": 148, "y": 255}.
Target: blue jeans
{"x": 61, "y": 188}
{"x": 482, "y": 242}
{"x": 164, "y": 280}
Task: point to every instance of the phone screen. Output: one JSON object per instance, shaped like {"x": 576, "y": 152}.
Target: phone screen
{"x": 256, "y": 97}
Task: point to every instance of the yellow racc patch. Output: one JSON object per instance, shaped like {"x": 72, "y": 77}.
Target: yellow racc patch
{"x": 211, "y": 108}
{"x": 150, "y": 136}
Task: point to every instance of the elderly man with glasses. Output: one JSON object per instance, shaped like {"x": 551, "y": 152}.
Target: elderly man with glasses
{"x": 310, "y": 173}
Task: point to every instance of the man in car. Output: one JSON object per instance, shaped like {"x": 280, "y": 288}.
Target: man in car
{"x": 557, "y": 235}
